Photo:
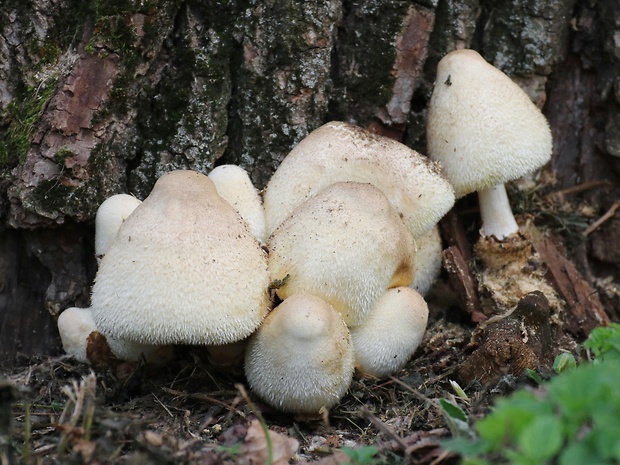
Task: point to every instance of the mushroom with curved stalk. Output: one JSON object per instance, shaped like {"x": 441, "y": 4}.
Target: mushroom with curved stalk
{"x": 392, "y": 332}
{"x": 183, "y": 269}
{"x": 338, "y": 152}
{"x": 76, "y": 327}
{"x": 346, "y": 245}
{"x": 110, "y": 216}
{"x": 427, "y": 260}
{"x": 234, "y": 184}
{"x": 485, "y": 131}
{"x": 301, "y": 358}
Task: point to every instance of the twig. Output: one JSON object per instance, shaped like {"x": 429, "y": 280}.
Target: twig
{"x": 611, "y": 212}
{"x": 578, "y": 188}
{"x": 165, "y": 408}
{"x": 383, "y": 428}
{"x": 205, "y": 398}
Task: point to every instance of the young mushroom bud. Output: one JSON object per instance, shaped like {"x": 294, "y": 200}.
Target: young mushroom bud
{"x": 392, "y": 332}
{"x": 339, "y": 152}
{"x": 76, "y": 327}
{"x": 301, "y": 359}
{"x": 183, "y": 269}
{"x": 110, "y": 216}
{"x": 485, "y": 131}
{"x": 346, "y": 245}
{"x": 234, "y": 185}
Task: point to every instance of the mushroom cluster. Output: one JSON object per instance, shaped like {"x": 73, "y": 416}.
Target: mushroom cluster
{"x": 333, "y": 250}
{"x": 330, "y": 267}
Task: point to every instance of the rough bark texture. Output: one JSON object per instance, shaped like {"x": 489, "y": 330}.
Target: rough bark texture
{"x": 98, "y": 98}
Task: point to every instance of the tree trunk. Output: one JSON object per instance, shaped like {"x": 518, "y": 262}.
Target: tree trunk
{"x": 98, "y": 98}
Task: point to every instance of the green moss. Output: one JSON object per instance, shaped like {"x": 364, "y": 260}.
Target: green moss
{"x": 18, "y": 120}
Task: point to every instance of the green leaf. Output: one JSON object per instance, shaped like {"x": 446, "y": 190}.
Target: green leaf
{"x": 564, "y": 362}
{"x": 532, "y": 374}
{"x": 456, "y": 420}
{"x": 453, "y": 411}
{"x": 361, "y": 455}
{"x": 542, "y": 439}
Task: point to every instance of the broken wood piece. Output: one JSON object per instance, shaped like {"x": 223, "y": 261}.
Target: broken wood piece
{"x": 463, "y": 282}
{"x": 583, "y": 310}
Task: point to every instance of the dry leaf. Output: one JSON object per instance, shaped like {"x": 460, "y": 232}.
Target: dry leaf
{"x": 254, "y": 448}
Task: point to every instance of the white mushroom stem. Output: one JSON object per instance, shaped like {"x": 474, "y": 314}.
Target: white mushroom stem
{"x": 497, "y": 217}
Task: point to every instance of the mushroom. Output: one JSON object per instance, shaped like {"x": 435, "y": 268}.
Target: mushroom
{"x": 234, "y": 184}
{"x": 183, "y": 269}
{"x": 110, "y": 216}
{"x": 338, "y": 152}
{"x": 346, "y": 245}
{"x": 485, "y": 131}
{"x": 392, "y": 332}
{"x": 301, "y": 359}
{"x": 427, "y": 260}
{"x": 77, "y": 326}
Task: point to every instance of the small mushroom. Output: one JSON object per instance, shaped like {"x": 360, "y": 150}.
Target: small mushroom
{"x": 392, "y": 332}
{"x": 110, "y": 216}
{"x": 183, "y": 269}
{"x": 427, "y": 260}
{"x": 346, "y": 245}
{"x": 235, "y": 186}
{"x": 77, "y": 327}
{"x": 485, "y": 131}
{"x": 301, "y": 358}
{"x": 338, "y": 152}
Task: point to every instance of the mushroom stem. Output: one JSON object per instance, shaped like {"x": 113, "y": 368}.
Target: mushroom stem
{"x": 497, "y": 217}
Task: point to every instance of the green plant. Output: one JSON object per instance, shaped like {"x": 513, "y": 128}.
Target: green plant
{"x": 361, "y": 455}
{"x": 572, "y": 419}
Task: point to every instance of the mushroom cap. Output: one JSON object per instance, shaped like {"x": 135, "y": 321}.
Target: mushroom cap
{"x": 481, "y": 126}
{"x": 427, "y": 260}
{"x": 338, "y": 152}
{"x": 346, "y": 245}
{"x": 301, "y": 357}
{"x": 234, "y": 185}
{"x": 183, "y": 269}
{"x": 392, "y": 332}
{"x": 110, "y": 216}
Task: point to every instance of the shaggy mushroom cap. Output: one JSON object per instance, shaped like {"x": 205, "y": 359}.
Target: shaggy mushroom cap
{"x": 485, "y": 131}
{"x": 427, "y": 260}
{"x": 346, "y": 245}
{"x": 110, "y": 216}
{"x": 183, "y": 269}
{"x": 338, "y": 152}
{"x": 392, "y": 332}
{"x": 301, "y": 357}
{"x": 234, "y": 184}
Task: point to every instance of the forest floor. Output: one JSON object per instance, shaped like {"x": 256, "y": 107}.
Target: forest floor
{"x": 191, "y": 412}
{"x": 56, "y": 410}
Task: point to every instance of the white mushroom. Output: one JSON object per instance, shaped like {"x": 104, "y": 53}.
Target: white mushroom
{"x": 76, "y": 325}
{"x": 234, "y": 184}
{"x": 337, "y": 152}
{"x": 346, "y": 245}
{"x": 110, "y": 216}
{"x": 301, "y": 358}
{"x": 485, "y": 131}
{"x": 183, "y": 269}
{"x": 392, "y": 332}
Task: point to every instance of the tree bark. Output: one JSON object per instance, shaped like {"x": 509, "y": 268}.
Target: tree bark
{"x": 98, "y": 98}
